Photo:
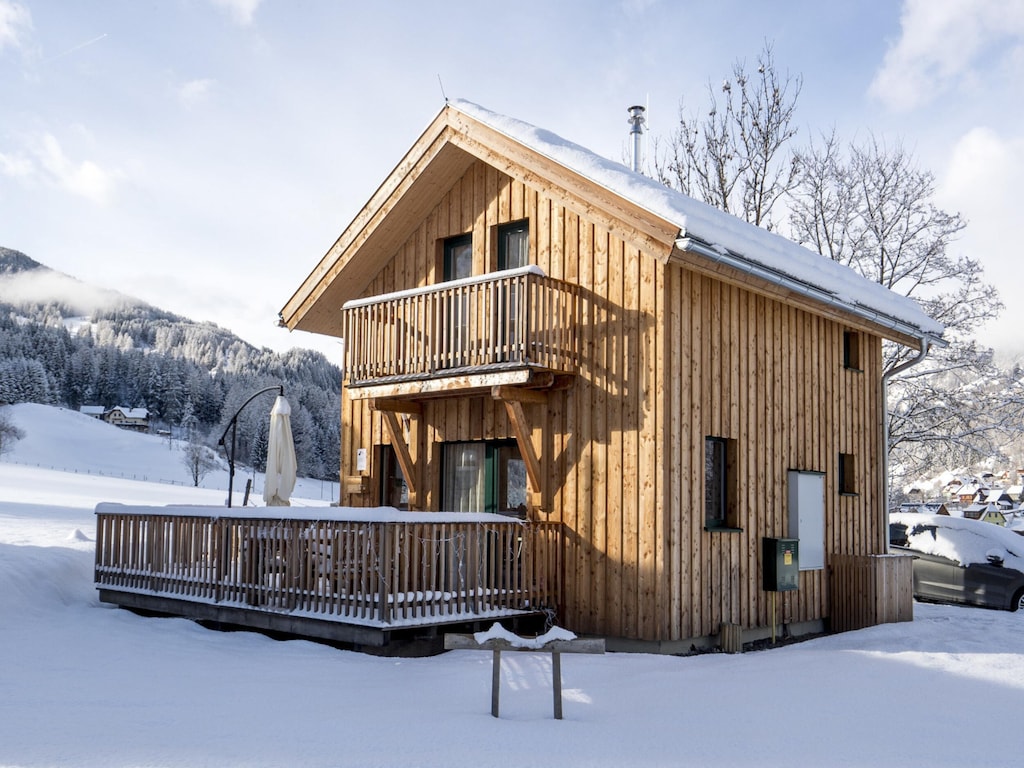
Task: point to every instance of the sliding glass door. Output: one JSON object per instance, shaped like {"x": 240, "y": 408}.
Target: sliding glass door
{"x": 484, "y": 477}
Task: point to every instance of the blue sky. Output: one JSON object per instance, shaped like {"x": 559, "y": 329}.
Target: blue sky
{"x": 204, "y": 154}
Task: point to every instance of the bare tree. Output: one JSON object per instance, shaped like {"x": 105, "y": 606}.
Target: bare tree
{"x": 736, "y": 157}
{"x": 199, "y": 459}
{"x": 872, "y": 208}
{"x": 868, "y": 206}
{"x": 10, "y": 433}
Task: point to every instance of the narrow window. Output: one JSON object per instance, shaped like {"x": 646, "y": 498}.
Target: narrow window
{"x": 847, "y": 474}
{"x": 454, "y": 337}
{"x": 514, "y": 245}
{"x": 719, "y": 484}
{"x": 458, "y": 257}
{"x": 851, "y": 350}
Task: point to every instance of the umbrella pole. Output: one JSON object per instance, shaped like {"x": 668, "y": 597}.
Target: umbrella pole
{"x": 233, "y": 426}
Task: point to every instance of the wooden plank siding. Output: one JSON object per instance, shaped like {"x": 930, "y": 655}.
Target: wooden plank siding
{"x": 668, "y": 356}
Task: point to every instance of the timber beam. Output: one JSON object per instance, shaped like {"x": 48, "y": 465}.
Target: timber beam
{"x": 514, "y": 397}
{"x": 390, "y": 409}
{"x": 394, "y": 405}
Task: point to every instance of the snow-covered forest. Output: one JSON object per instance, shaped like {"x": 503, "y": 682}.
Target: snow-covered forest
{"x": 65, "y": 343}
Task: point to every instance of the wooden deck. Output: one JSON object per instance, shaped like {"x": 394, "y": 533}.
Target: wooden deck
{"x": 344, "y": 575}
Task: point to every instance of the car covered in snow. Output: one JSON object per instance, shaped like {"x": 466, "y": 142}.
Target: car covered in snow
{"x": 957, "y": 560}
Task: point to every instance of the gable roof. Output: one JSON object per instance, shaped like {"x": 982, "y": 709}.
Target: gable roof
{"x": 659, "y": 220}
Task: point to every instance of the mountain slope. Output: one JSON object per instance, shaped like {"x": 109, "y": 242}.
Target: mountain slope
{"x": 65, "y": 342}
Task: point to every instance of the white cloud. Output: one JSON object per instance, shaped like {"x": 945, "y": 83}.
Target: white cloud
{"x": 16, "y": 166}
{"x": 37, "y": 286}
{"x": 242, "y": 11}
{"x": 15, "y": 21}
{"x": 85, "y": 179}
{"x": 981, "y": 181}
{"x": 46, "y": 162}
{"x": 194, "y": 92}
{"x": 941, "y": 44}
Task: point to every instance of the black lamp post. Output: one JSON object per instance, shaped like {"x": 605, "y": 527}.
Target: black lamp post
{"x": 233, "y": 426}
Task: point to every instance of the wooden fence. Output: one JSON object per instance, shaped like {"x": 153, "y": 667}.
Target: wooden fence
{"x": 870, "y": 589}
{"x": 381, "y": 573}
{"x": 512, "y": 318}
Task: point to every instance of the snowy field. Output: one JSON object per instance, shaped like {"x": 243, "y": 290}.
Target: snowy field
{"x": 85, "y": 684}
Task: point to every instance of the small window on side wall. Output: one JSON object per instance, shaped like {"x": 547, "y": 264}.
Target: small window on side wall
{"x": 720, "y": 513}
{"x": 851, "y": 351}
{"x": 847, "y": 474}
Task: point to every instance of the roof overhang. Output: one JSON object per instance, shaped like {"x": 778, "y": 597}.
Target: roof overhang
{"x": 444, "y": 152}
{"x": 728, "y": 267}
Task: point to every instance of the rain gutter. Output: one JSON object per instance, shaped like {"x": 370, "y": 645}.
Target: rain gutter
{"x": 805, "y": 289}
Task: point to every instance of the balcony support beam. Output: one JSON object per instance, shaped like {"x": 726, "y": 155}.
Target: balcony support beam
{"x": 396, "y": 406}
{"x": 514, "y": 397}
{"x": 403, "y": 454}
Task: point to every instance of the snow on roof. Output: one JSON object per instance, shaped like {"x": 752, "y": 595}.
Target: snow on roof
{"x": 722, "y": 231}
{"x": 960, "y": 539}
{"x": 132, "y": 413}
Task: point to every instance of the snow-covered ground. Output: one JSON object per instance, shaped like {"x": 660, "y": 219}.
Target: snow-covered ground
{"x": 57, "y": 438}
{"x": 85, "y": 684}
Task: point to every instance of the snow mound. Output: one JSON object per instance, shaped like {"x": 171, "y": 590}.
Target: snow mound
{"x": 498, "y": 632}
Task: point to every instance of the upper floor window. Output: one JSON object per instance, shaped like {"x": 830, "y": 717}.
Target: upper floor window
{"x": 458, "y": 257}
{"x": 514, "y": 245}
{"x": 851, "y": 350}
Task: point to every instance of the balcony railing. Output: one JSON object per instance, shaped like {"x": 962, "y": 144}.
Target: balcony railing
{"x": 406, "y": 570}
{"x": 517, "y": 318}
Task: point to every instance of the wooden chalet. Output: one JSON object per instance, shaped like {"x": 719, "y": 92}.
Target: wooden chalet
{"x": 535, "y": 332}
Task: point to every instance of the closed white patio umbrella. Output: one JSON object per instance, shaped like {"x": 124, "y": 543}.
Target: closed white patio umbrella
{"x": 281, "y": 469}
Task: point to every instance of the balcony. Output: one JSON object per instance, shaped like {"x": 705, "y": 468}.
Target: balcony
{"x": 499, "y": 328}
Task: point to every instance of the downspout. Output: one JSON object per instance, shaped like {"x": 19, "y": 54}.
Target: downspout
{"x": 925, "y": 345}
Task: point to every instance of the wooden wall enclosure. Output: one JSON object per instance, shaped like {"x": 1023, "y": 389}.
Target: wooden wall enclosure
{"x": 641, "y": 349}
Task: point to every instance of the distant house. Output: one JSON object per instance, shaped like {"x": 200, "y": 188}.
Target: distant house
{"x": 128, "y": 418}
{"x": 927, "y": 507}
{"x": 971, "y": 493}
{"x": 96, "y": 411}
{"x": 987, "y": 513}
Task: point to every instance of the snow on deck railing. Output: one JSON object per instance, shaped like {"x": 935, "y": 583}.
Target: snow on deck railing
{"x": 377, "y": 567}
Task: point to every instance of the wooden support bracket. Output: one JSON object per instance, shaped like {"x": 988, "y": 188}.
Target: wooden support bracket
{"x": 391, "y": 405}
{"x": 517, "y": 416}
{"x": 402, "y": 453}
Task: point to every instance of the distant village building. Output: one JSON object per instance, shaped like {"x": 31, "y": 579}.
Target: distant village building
{"x": 96, "y": 411}
{"x": 987, "y": 513}
{"x": 128, "y": 418}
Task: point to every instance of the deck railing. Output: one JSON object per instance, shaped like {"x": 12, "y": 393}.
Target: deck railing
{"x": 382, "y": 573}
{"x": 513, "y": 318}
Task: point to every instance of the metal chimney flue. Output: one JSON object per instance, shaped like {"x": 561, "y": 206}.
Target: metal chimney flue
{"x": 636, "y": 120}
